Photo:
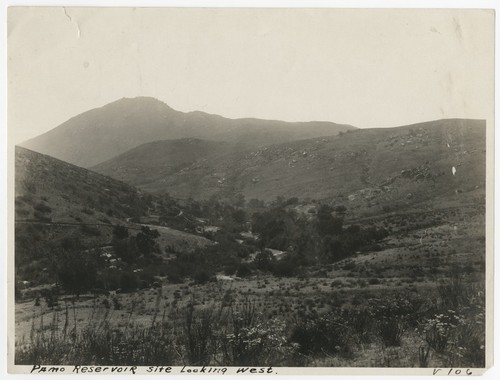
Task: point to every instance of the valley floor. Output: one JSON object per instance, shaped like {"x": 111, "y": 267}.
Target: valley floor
{"x": 427, "y": 274}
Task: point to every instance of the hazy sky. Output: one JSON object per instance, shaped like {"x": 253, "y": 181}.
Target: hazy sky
{"x": 368, "y": 68}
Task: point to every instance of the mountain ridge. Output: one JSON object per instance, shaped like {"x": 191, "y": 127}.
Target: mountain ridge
{"x": 99, "y": 134}
{"x": 359, "y": 164}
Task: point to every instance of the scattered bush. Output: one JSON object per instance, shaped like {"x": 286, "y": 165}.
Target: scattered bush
{"x": 327, "y": 334}
{"x": 42, "y": 208}
{"x": 128, "y": 282}
{"x": 90, "y": 230}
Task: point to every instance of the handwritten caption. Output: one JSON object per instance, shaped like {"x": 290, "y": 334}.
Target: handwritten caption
{"x": 452, "y": 371}
{"x": 135, "y": 370}
{"x": 191, "y": 370}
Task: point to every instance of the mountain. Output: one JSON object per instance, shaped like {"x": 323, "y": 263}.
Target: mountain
{"x": 365, "y": 167}
{"x": 102, "y": 133}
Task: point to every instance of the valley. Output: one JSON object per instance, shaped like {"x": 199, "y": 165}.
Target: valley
{"x": 347, "y": 248}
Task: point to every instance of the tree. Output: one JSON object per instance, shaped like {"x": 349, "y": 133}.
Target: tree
{"x": 278, "y": 228}
{"x": 76, "y": 271}
{"x": 243, "y": 270}
{"x": 127, "y": 250}
{"x": 239, "y": 216}
{"x": 146, "y": 241}
{"x": 341, "y": 209}
{"x": 128, "y": 282}
{"x": 333, "y": 249}
{"x": 279, "y": 201}
{"x": 255, "y": 203}
{"x": 264, "y": 260}
{"x": 201, "y": 277}
{"x": 327, "y": 223}
{"x": 238, "y": 200}
{"x": 120, "y": 232}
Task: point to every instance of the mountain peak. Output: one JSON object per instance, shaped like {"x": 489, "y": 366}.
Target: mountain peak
{"x": 99, "y": 134}
{"x": 140, "y": 102}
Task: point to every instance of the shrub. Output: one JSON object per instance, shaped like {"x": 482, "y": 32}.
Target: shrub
{"x": 391, "y": 329}
{"x": 90, "y": 230}
{"x": 362, "y": 323}
{"x": 198, "y": 335}
{"x": 349, "y": 265}
{"x": 42, "y": 217}
{"x": 264, "y": 260}
{"x": 251, "y": 341}
{"x": 43, "y": 208}
{"x": 423, "y": 356}
{"x": 244, "y": 270}
{"x": 325, "y": 334}
{"x": 76, "y": 272}
{"x": 175, "y": 278}
{"x": 441, "y": 329}
{"x": 454, "y": 292}
{"x": 21, "y": 212}
{"x": 97, "y": 343}
{"x": 128, "y": 282}
{"x": 51, "y": 298}
{"x": 202, "y": 277}
{"x": 116, "y": 303}
{"x": 394, "y": 314}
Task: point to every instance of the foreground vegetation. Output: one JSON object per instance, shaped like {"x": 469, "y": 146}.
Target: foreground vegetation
{"x": 396, "y": 329}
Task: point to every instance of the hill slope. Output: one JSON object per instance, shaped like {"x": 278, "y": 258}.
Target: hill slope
{"x": 369, "y": 167}
{"x": 102, "y": 133}
{"x": 155, "y": 161}
{"x": 71, "y": 192}
{"x": 58, "y": 203}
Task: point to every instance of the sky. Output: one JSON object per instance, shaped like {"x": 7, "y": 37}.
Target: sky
{"x": 367, "y": 68}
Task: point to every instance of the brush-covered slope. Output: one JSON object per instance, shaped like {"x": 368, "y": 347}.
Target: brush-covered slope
{"x": 59, "y": 206}
{"x": 367, "y": 168}
{"x": 151, "y": 163}
{"x": 102, "y": 133}
{"x": 62, "y": 206}
{"x": 52, "y": 190}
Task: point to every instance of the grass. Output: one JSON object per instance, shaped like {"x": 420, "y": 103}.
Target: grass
{"x": 199, "y": 329}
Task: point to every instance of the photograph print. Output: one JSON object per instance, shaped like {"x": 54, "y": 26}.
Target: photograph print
{"x": 252, "y": 189}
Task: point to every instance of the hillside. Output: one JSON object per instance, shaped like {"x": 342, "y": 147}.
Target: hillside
{"x": 153, "y": 162}
{"x": 102, "y": 133}
{"x": 59, "y": 206}
{"x": 71, "y": 192}
{"x": 369, "y": 168}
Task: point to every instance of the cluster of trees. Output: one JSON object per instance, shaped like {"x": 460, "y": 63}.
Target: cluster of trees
{"x": 77, "y": 270}
{"x": 321, "y": 239}
{"x": 130, "y": 248}
{"x": 202, "y": 264}
{"x": 306, "y": 240}
{"x": 186, "y": 214}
